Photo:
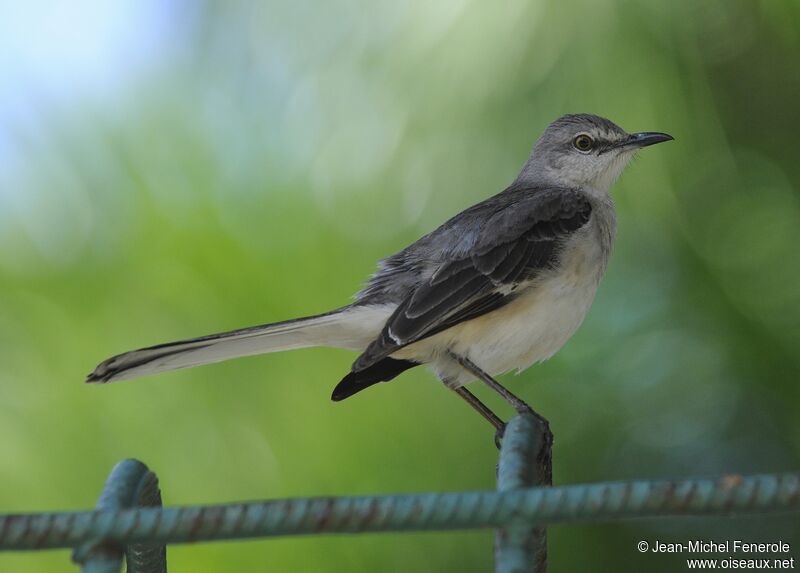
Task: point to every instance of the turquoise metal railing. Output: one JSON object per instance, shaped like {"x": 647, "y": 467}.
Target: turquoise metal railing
{"x": 118, "y": 526}
{"x": 130, "y": 484}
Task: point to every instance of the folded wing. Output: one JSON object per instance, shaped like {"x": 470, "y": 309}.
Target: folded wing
{"x": 499, "y": 245}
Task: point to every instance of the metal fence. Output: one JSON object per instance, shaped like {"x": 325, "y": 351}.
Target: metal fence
{"x": 129, "y": 522}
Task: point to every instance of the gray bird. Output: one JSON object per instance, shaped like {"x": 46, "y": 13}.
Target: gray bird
{"x": 500, "y": 286}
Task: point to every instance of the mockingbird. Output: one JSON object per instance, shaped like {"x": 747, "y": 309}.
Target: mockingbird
{"x": 498, "y": 287}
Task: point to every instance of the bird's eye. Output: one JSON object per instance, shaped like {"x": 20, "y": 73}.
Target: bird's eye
{"x": 583, "y": 143}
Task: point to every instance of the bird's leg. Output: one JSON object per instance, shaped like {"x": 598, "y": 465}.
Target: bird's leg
{"x": 516, "y": 402}
{"x": 519, "y": 405}
{"x": 480, "y": 407}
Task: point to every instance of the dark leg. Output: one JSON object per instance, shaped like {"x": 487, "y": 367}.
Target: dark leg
{"x": 483, "y": 410}
{"x": 518, "y": 404}
{"x": 480, "y": 407}
{"x": 545, "y": 452}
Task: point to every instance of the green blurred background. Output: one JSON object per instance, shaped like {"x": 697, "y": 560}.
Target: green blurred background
{"x": 170, "y": 169}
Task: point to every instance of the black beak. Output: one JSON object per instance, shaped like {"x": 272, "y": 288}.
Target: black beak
{"x": 638, "y": 140}
{"x": 647, "y": 138}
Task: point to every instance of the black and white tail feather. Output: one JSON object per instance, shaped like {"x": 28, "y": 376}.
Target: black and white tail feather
{"x": 336, "y": 328}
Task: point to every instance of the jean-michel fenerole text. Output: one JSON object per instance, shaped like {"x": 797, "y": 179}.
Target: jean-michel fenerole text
{"x": 730, "y": 546}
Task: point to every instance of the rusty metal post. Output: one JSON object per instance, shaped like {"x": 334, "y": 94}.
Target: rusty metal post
{"x": 130, "y": 484}
{"x": 525, "y": 461}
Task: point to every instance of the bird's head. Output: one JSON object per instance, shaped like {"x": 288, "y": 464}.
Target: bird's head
{"x": 586, "y": 151}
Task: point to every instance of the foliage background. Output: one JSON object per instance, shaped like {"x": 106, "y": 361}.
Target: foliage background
{"x": 169, "y": 169}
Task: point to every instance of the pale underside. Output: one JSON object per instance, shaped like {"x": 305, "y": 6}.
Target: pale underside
{"x": 530, "y": 329}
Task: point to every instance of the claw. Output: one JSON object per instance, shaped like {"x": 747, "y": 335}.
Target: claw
{"x": 498, "y": 436}
{"x": 523, "y": 408}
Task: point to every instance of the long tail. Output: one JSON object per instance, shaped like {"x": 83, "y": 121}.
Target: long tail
{"x": 349, "y": 327}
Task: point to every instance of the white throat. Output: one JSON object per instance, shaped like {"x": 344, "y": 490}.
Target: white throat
{"x": 606, "y": 178}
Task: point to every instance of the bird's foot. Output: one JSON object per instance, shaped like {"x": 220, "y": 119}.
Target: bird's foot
{"x": 523, "y": 408}
{"x": 498, "y": 436}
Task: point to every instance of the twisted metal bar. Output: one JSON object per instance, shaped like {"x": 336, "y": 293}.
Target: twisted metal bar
{"x": 142, "y": 557}
{"x": 726, "y": 495}
{"x": 525, "y": 461}
{"x": 129, "y": 484}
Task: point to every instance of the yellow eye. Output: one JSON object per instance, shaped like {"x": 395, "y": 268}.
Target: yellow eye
{"x": 583, "y": 143}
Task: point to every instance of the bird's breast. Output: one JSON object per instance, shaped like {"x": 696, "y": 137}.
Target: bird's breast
{"x": 531, "y": 328}
{"x": 535, "y": 325}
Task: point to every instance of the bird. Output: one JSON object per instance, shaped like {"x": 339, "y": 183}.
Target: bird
{"x": 498, "y": 287}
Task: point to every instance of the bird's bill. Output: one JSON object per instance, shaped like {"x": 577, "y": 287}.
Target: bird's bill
{"x": 638, "y": 140}
{"x": 646, "y": 138}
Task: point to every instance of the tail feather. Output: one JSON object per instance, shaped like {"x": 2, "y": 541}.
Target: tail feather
{"x": 358, "y": 380}
{"x": 343, "y": 328}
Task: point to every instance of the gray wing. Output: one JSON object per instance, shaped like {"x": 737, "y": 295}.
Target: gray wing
{"x": 477, "y": 260}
